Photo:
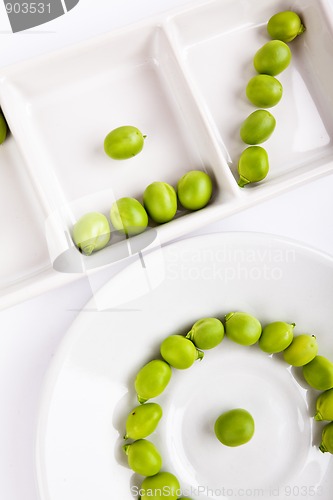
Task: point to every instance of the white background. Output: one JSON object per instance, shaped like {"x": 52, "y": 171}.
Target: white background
{"x": 31, "y": 331}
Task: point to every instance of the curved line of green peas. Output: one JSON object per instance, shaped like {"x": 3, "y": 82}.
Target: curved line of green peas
{"x": 181, "y": 351}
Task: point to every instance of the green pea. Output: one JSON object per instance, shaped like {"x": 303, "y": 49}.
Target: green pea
{"x": 257, "y": 127}
{"x": 234, "y": 427}
{"x": 272, "y": 58}
{"x": 324, "y": 406}
{"x": 319, "y": 373}
{"x": 285, "y": 26}
{"x": 253, "y": 165}
{"x": 152, "y": 379}
{"x": 206, "y": 333}
{"x": 194, "y": 189}
{"x": 276, "y": 336}
{"x": 123, "y": 142}
{"x": 264, "y": 91}
{"x": 91, "y": 232}
{"x": 162, "y": 486}
{"x": 179, "y": 352}
{"x": 143, "y": 421}
{"x": 160, "y": 201}
{"x": 326, "y": 444}
{"x": 3, "y": 128}
{"x": 242, "y": 328}
{"x": 302, "y": 350}
{"x": 128, "y": 216}
{"x": 143, "y": 457}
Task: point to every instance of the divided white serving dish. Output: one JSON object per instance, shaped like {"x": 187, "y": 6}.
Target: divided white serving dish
{"x": 181, "y": 79}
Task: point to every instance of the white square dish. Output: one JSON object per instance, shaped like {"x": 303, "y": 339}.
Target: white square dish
{"x": 179, "y": 78}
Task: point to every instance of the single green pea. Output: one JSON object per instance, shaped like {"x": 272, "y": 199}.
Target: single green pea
{"x": 162, "y": 486}
{"x": 3, "y": 128}
{"x": 253, "y": 165}
{"x": 179, "y": 352}
{"x": 206, "y": 333}
{"x": 285, "y": 26}
{"x": 242, "y": 328}
{"x": 319, "y": 373}
{"x": 123, "y": 142}
{"x": 235, "y": 427}
{"x": 160, "y": 201}
{"x": 257, "y": 127}
{"x": 91, "y": 232}
{"x": 302, "y": 350}
{"x": 326, "y": 444}
{"x": 152, "y": 379}
{"x": 143, "y": 420}
{"x": 143, "y": 457}
{"x": 128, "y": 216}
{"x": 272, "y": 58}
{"x": 276, "y": 336}
{"x": 264, "y": 91}
{"x": 324, "y": 406}
{"x": 194, "y": 189}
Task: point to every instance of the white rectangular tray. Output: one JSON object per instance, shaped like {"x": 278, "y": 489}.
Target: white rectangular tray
{"x": 180, "y": 78}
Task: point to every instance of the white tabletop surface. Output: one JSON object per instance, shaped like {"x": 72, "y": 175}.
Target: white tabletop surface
{"x": 31, "y": 331}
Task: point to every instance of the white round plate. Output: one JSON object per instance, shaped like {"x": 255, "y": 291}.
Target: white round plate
{"x": 89, "y": 388}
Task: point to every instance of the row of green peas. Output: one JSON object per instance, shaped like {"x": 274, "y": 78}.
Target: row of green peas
{"x": 181, "y": 351}
{"x": 265, "y": 91}
{"x": 92, "y": 231}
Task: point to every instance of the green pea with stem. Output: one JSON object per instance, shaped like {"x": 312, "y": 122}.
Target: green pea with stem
{"x": 143, "y": 420}
{"x": 253, "y": 165}
{"x": 285, "y": 26}
{"x": 152, "y": 379}
{"x": 179, "y": 352}
{"x": 143, "y": 457}
{"x": 326, "y": 444}
{"x": 91, "y": 232}
{"x": 276, "y": 336}
{"x": 302, "y": 350}
{"x": 124, "y": 142}
{"x": 206, "y": 333}
{"x": 242, "y": 328}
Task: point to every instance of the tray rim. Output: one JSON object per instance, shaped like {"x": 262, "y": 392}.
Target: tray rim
{"x": 160, "y": 20}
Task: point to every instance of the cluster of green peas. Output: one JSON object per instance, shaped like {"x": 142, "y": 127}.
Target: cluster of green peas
{"x": 129, "y": 216}
{"x": 234, "y": 427}
{"x": 265, "y": 91}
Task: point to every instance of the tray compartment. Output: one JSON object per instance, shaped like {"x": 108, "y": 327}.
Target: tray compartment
{"x": 23, "y": 244}
{"x": 219, "y": 40}
{"x": 63, "y": 107}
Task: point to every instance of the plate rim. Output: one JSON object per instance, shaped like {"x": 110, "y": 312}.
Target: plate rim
{"x": 72, "y": 333}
